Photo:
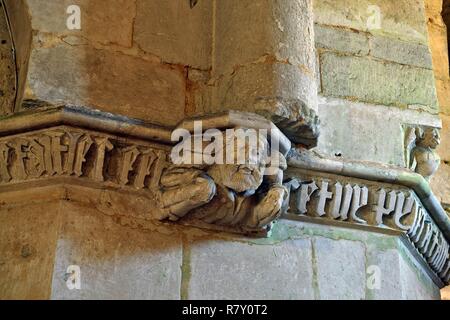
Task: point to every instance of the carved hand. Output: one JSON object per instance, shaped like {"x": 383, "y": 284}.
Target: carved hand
{"x": 269, "y": 209}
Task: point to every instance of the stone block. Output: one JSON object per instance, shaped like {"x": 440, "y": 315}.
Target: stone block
{"x": 401, "y": 52}
{"x": 403, "y": 19}
{"x": 103, "y": 21}
{"x": 115, "y": 262}
{"x": 367, "y": 80}
{"x": 175, "y": 32}
{"x": 110, "y": 81}
{"x": 440, "y": 183}
{"x": 250, "y": 30}
{"x": 241, "y": 271}
{"x": 415, "y": 284}
{"x": 278, "y": 89}
{"x": 443, "y": 89}
{"x": 342, "y": 40}
{"x": 28, "y": 236}
{"x": 340, "y": 268}
{"x": 359, "y": 131}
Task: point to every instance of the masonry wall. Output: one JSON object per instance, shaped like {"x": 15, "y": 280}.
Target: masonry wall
{"x": 155, "y": 60}
{"x": 438, "y": 22}
{"x": 120, "y": 259}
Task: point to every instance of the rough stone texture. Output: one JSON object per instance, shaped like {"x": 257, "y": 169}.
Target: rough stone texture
{"x": 416, "y": 286}
{"x": 175, "y": 32}
{"x": 439, "y": 47}
{"x": 28, "y": 236}
{"x": 403, "y": 19}
{"x": 254, "y": 89}
{"x": 102, "y": 21}
{"x": 348, "y": 130}
{"x": 342, "y": 40}
{"x": 341, "y": 269}
{"x": 7, "y": 68}
{"x": 110, "y": 81}
{"x": 277, "y": 62}
{"x": 438, "y": 42}
{"x": 377, "y": 82}
{"x": 440, "y": 182}
{"x": 239, "y": 271}
{"x": 401, "y": 52}
{"x": 116, "y": 262}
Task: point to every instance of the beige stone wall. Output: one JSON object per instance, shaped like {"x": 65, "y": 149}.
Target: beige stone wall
{"x": 439, "y": 47}
{"x": 143, "y": 59}
{"x": 376, "y": 77}
{"x": 437, "y": 30}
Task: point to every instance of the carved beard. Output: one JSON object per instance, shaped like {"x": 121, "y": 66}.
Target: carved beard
{"x": 239, "y": 178}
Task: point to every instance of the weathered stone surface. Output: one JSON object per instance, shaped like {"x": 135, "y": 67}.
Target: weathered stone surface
{"x": 115, "y": 262}
{"x": 232, "y": 270}
{"x": 348, "y": 129}
{"x": 175, "y": 32}
{"x": 102, "y": 21}
{"x": 404, "y": 19}
{"x": 264, "y": 57}
{"x": 401, "y": 52}
{"x": 342, "y": 40}
{"x": 7, "y": 67}
{"x": 278, "y": 89}
{"x": 28, "y": 236}
{"x": 341, "y": 269}
{"x": 110, "y": 81}
{"x": 372, "y": 81}
{"x": 416, "y": 285}
{"x": 251, "y": 29}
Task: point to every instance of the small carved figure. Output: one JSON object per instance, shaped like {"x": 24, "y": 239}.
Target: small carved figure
{"x": 423, "y": 157}
{"x": 249, "y": 196}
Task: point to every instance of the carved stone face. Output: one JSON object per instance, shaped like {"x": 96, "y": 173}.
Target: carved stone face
{"x": 242, "y": 175}
{"x": 431, "y": 138}
{"x": 239, "y": 178}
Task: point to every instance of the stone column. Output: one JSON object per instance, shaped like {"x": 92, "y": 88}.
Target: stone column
{"x": 264, "y": 62}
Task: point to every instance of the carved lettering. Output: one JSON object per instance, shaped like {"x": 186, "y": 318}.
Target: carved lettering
{"x": 324, "y": 195}
{"x": 381, "y": 209}
{"x": 403, "y": 209}
{"x": 340, "y": 207}
{"x": 83, "y": 147}
{"x": 4, "y": 162}
{"x": 148, "y": 158}
{"x": 103, "y": 145}
{"x": 56, "y": 150}
{"x": 129, "y": 157}
{"x": 304, "y": 196}
{"x": 20, "y": 146}
{"x": 360, "y": 200}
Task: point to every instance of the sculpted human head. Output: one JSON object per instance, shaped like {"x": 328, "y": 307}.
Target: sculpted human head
{"x": 430, "y": 138}
{"x": 246, "y": 172}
